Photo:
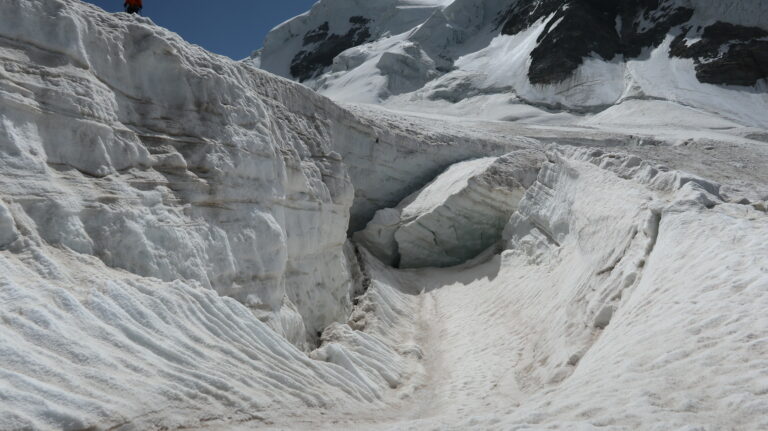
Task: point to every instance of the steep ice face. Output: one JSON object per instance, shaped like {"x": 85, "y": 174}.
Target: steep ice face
{"x": 126, "y": 143}
{"x": 8, "y": 232}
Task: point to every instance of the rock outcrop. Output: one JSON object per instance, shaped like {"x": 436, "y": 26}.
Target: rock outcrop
{"x": 725, "y": 53}
{"x": 577, "y": 29}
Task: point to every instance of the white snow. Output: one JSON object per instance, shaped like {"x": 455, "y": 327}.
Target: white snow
{"x": 174, "y": 228}
{"x": 126, "y": 143}
{"x": 455, "y": 217}
{"x": 455, "y": 179}
{"x": 490, "y": 70}
{"x": 604, "y": 312}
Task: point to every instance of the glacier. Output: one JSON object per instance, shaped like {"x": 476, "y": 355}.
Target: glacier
{"x": 417, "y": 238}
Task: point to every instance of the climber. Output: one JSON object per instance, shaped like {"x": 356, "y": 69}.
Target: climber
{"x": 132, "y": 6}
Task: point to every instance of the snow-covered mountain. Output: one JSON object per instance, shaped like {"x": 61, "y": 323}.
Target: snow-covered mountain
{"x": 487, "y": 57}
{"x": 189, "y": 242}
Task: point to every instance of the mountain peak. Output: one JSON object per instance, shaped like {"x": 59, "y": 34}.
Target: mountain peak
{"x": 564, "y": 54}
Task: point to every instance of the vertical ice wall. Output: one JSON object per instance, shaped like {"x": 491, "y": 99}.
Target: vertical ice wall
{"x": 120, "y": 140}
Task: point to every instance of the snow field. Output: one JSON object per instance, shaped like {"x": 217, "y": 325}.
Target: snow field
{"x": 174, "y": 253}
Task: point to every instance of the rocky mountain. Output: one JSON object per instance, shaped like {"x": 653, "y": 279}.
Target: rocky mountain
{"x": 574, "y": 55}
{"x": 189, "y": 242}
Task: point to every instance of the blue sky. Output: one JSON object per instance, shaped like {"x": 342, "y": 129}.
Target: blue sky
{"x": 229, "y": 27}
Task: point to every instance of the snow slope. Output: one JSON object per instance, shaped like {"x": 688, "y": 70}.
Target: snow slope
{"x": 175, "y": 252}
{"x": 604, "y": 311}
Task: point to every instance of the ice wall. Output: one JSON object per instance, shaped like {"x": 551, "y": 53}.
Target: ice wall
{"x": 173, "y": 232}
{"x": 455, "y": 217}
{"x": 390, "y": 156}
{"x": 121, "y": 141}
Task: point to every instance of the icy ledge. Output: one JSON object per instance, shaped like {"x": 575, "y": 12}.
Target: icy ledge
{"x": 455, "y": 217}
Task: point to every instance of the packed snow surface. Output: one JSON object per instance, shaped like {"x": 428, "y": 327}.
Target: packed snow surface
{"x": 188, "y": 242}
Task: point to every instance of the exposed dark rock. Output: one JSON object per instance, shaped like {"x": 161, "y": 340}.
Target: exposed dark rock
{"x": 723, "y": 32}
{"x": 561, "y": 48}
{"x": 742, "y": 64}
{"x": 712, "y": 39}
{"x": 322, "y": 47}
{"x": 317, "y": 35}
{"x": 524, "y": 14}
{"x": 359, "y": 20}
{"x": 726, "y": 54}
{"x": 580, "y": 28}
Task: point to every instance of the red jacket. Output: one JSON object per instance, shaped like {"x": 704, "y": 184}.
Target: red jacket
{"x": 133, "y": 3}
